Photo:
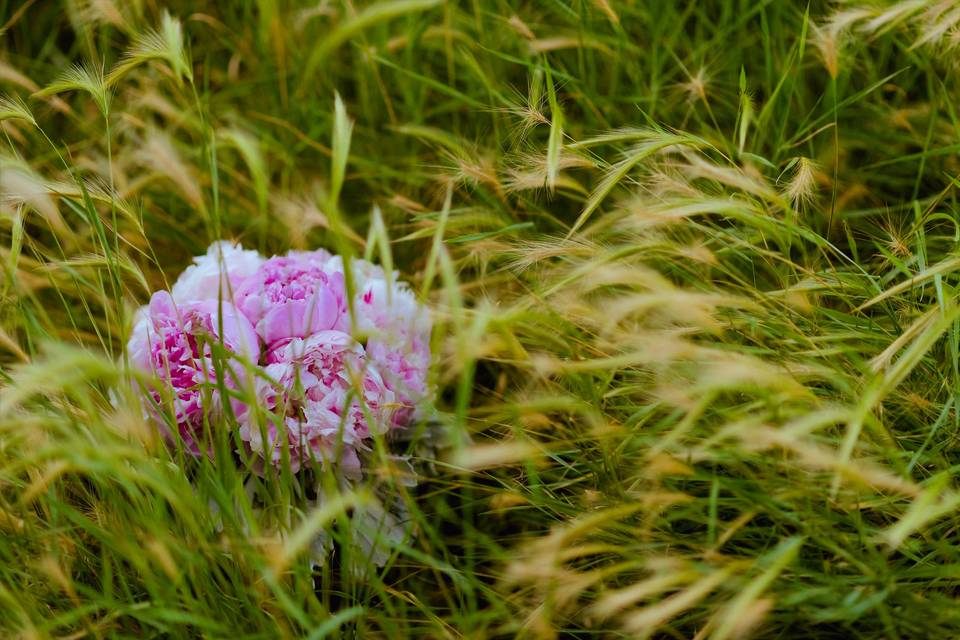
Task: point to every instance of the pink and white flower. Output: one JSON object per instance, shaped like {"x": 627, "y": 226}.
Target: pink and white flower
{"x": 398, "y": 341}
{"x": 324, "y": 390}
{"x": 291, "y": 297}
{"x": 404, "y": 369}
{"x": 286, "y": 424}
{"x": 175, "y": 343}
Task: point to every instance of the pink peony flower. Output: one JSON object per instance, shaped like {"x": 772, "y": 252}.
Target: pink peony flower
{"x": 291, "y": 297}
{"x": 404, "y": 368}
{"x": 174, "y": 343}
{"x": 218, "y": 274}
{"x": 324, "y": 390}
{"x": 398, "y": 341}
{"x": 305, "y": 430}
{"x": 390, "y": 309}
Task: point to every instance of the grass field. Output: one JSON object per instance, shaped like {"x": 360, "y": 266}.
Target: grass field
{"x": 693, "y": 267}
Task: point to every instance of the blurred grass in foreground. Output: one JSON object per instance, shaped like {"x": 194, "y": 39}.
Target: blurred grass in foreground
{"x": 694, "y": 265}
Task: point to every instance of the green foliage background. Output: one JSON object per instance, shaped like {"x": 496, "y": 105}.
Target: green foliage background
{"x": 694, "y": 270}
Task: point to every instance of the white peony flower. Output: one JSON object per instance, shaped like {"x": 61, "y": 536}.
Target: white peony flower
{"x": 217, "y": 274}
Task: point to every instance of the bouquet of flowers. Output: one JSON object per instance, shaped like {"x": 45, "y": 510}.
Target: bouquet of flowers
{"x": 335, "y": 353}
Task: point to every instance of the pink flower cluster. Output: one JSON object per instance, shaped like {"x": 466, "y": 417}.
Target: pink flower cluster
{"x": 327, "y": 375}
